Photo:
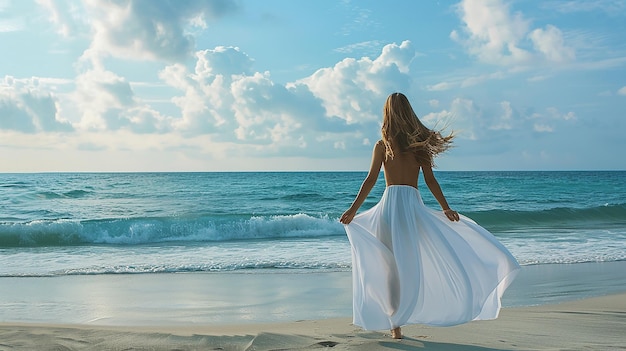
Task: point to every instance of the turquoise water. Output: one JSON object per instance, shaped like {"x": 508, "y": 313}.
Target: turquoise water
{"x": 102, "y": 223}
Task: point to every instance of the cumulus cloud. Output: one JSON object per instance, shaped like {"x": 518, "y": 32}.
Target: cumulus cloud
{"x": 622, "y": 91}
{"x": 472, "y": 120}
{"x": 206, "y": 103}
{"x": 495, "y": 35}
{"x": 224, "y": 96}
{"x": 550, "y": 43}
{"x": 100, "y": 101}
{"x": 223, "y": 102}
{"x": 277, "y": 114}
{"x": 137, "y": 29}
{"x": 146, "y": 29}
{"x": 105, "y": 101}
{"x": 239, "y": 105}
{"x": 463, "y": 116}
{"x": 26, "y": 107}
{"x": 353, "y": 89}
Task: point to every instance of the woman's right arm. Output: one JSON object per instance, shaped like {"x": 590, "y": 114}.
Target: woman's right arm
{"x": 378, "y": 155}
{"x": 435, "y": 189}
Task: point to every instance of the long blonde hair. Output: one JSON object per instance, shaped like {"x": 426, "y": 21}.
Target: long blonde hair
{"x": 402, "y": 132}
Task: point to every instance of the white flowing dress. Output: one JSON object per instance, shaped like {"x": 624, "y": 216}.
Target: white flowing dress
{"x": 411, "y": 264}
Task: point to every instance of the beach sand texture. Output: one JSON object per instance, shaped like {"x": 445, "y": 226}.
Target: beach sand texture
{"x": 597, "y": 323}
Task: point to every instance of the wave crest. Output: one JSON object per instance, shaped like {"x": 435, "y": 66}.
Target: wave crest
{"x": 599, "y": 216}
{"x": 137, "y": 231}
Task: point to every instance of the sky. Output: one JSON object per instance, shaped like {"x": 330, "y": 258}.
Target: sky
{"x": 281, "y": 85}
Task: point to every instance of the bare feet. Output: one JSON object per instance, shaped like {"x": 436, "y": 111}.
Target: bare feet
{"x": 396, "y": 333}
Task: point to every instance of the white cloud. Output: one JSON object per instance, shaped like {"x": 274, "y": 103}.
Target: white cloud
{"x": 622, "y": 91}
{"x": 464, "y": 117}
{"x": 99, "y": 98}
{"x": 224, "y": 97}
{"x": 554, "y": 113}
{"x": 441, "y": 86}
{"x": 223, "y": 101}
{"x": 542, "y": 128}
{"x": 315, "y": 109}
{"x": 136, "y": 29}
{"x": 68, "y": 17}
{"x": 495, "y": 35}
{"x": 354, "y": 90}
{"x": 433, "y": 118}
{"x": 262, "y": 110}
{"x": 26, "y": 107}
{"x": 506, "y": 118}
{"x": 550, "y": 120}
{"x": 472, "y": 120}
{"x": 364, "y": 46}
{"x": 340, "y": 145}
{"x": 206, "y": 103}
{"x": 464, "y": 82}
{"x": 103, "y": 100}
{"x": 550, "y": 43}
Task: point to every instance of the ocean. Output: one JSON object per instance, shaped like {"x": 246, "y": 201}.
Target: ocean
{"x": 59, "y": 224}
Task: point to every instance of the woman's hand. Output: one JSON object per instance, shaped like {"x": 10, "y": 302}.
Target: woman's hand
{"x": 347, "y": 216}
{"x": 452, "y": 215}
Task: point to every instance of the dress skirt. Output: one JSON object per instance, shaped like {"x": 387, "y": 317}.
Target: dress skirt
{"x": 411, "y": 264}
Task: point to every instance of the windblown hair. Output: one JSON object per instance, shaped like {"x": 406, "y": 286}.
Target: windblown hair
{"x": 402, "y": 132}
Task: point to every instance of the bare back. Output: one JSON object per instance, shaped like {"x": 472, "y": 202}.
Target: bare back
{"x": 403, "y": 169}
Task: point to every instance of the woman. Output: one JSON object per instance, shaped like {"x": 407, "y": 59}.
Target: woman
{"x": 412, "y": 264}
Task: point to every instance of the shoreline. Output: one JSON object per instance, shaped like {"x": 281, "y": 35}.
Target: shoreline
{"x": 593, "y": 323}
{"x": 226, "y": 298}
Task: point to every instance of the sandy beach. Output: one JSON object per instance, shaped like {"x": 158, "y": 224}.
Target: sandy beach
{"x": 549, "y": 307}
{"x": 591, "y": 324}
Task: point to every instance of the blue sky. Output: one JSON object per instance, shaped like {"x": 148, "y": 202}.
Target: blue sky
{"x": 149, "y": 85}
